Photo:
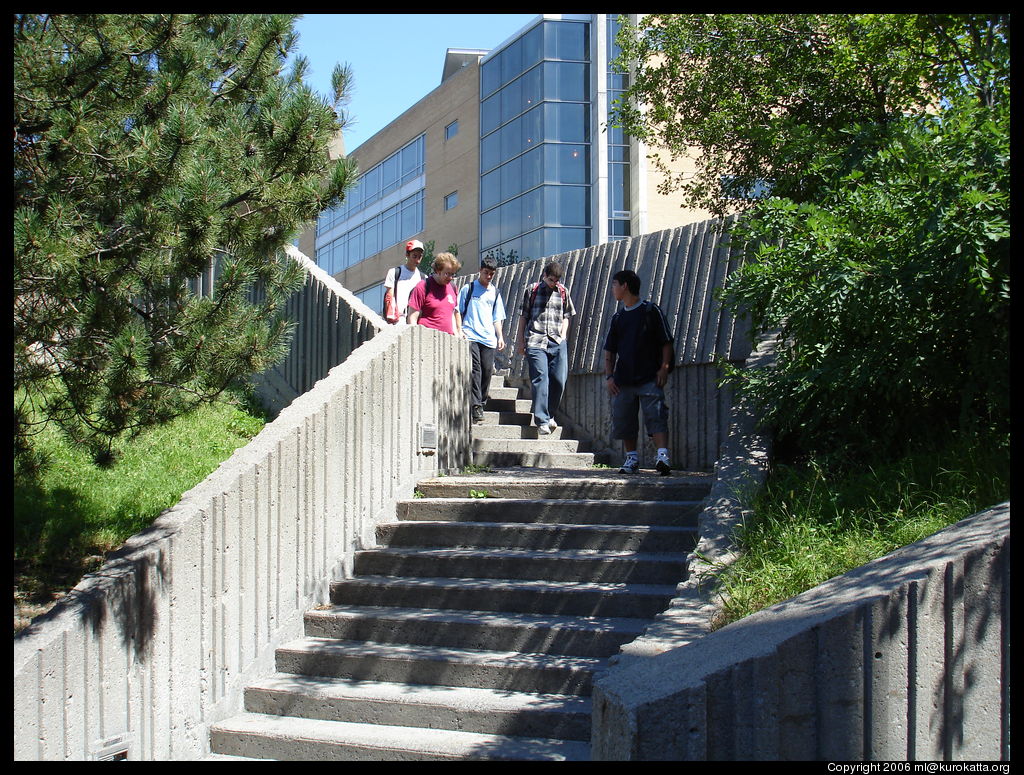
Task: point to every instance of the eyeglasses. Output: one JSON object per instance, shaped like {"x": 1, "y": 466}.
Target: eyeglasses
{"x": 447, "y": 274}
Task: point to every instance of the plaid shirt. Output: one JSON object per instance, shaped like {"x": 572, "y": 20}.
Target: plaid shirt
{"x": 544, "y": 318}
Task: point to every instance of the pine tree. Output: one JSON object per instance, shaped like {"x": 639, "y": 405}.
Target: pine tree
{"x": 147, "y": 147}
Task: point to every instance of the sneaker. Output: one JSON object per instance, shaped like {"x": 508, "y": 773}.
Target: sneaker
{"x": 478, "y": 414}
{"x": 663, "y": 466}
{"x": 552, "y": 425}
{"x": 631, "y": 466}
{"x": 543, "y": 429}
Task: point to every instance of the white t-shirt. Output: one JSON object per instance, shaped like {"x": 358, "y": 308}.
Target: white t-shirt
{"x": 408, "y": 279}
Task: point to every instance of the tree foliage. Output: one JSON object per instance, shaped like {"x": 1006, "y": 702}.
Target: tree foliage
{"x": 881, "y": 254}
{"x": 147, "y": 147}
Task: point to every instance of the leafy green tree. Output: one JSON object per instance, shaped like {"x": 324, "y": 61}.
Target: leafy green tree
{"x": 147, "y": 147}
{"x": 881, "y": 253}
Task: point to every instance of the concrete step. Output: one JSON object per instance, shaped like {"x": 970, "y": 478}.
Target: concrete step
{"x": 507, "y": 418}
{"x": 517, "y": 405}
{"x": 578, "y": 636}
{"x": 506, "y": 595}
{"x": 501, "y": 392}
{"x": 508, "y": 431}
{"x": 554, "y": 483}
{"x": 294, "y": 739}
{"x": 548, "y": 444}
{"x": 549, "y": 536}
{"x": 439, "y": 666}
{"x": 568, "y": 566}
{"x": 535, "y": 459}
{"x": 466, "y": 709}
{"x": 484, "y": 508}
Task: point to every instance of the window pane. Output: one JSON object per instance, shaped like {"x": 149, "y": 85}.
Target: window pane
{"x": 533, "y": 209}
{"x": 511, "y": 178}
{"x": 371, "y": 185}
{"x": 533, "y": 167}
{"x": 490, "y": 190}
{"x": 511, "y": 219}
{"x": 565, "y": 163}
{"x": 565, "y": 81}
{"x": 451, "y": 130}
{"x": 533, "y": 46}
{"x": 490, "y": 228}
{"x": 389, "y": 227}
{"x": 390, "y": 173}
{"x": 565, "y": 40}
{"x": 532, "y": 128}
{"x": 561, "y": 240}
{"x": 511, "y": 139}
{"x": 490, "y": 75}
{"x": 511, "y": 105}
{"x": 533, "y": 245}
{"x": 618, "y": 188}
{"x": 490, "y": 114}
{"x": 566, "y": 206}
{"x": 512, "y": 61}
{"x": 565, "y": 122}
{"x": 490, "y": 151}
{"x": 532, "y": 88}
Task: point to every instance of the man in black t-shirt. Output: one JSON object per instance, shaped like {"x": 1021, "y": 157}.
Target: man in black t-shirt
{"x": 638, "y": 356}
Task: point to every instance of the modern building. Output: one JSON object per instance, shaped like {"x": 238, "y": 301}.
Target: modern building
{"x": 511, "y": 155}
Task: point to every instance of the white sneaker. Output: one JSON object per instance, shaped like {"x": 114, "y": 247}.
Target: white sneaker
{"x": 631, "y": 466}
{"x": 663, "y": 465}
{"x": 552, "y": 425}
{"x": 544, "y": 429}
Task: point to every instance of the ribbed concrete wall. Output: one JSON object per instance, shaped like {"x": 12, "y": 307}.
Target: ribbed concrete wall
{"x": 680, "y": 270}
{"x": 906, "y": 658}
{"x": 144, "y": 654}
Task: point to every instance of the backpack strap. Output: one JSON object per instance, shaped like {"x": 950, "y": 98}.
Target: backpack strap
{"x": 469, "y": 298}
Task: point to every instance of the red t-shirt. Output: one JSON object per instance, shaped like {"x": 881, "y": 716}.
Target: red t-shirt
{"x": 436, "y": 304}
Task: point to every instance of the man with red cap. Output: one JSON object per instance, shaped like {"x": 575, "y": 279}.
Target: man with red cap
{"x": 399, "y": 282}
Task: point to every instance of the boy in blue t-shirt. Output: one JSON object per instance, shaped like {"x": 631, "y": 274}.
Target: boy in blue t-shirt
{"x": 638, "y": 356}
{"x": 483, "y": 312}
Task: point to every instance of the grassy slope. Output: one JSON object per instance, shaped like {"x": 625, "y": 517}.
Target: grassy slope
{"x": 810, "y": 525}
{"x": 75, "y": 512}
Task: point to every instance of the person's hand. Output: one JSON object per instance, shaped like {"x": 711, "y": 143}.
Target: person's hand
{"x": 613, "y": 389}
{"x": 661, "y": 379}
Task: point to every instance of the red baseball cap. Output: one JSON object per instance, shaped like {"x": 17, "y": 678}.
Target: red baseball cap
{"x": 413, "y": 244}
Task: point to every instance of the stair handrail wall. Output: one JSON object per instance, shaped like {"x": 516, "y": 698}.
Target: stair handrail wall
{"x": 680, "y": 269}
{"x": 143, "y": 655}
{"x": 905, "y": 658}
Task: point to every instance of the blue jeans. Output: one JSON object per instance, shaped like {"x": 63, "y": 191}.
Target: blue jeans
{"x": 549, "y": 368}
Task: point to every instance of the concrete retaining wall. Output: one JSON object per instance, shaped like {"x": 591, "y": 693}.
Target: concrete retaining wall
{"x": 680, "y": 270}
{"x": 143, "y": 655}
{"x": 905, "y": 658}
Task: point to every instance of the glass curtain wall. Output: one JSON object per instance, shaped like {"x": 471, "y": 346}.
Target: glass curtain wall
{"x": 378, "y": 211}
{"x": 535, "y": 144}
{"x": 619, "y": 199}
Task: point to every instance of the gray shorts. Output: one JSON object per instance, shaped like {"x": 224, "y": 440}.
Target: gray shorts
{"x": 648, "y": 397}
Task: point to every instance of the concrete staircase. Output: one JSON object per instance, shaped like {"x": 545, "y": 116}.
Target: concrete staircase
{"x": 475, "y": 628}
{"x": 508, "y": 437}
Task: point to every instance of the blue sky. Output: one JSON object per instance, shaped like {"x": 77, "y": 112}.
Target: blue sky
{"x": 396, "y": 59}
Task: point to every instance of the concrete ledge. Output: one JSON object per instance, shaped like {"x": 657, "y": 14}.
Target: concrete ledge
{"x": 144, "y": 655}
{"x": 904, "y": 658}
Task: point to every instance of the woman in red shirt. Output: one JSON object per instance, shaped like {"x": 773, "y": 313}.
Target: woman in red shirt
{"x": 434, "y": 302}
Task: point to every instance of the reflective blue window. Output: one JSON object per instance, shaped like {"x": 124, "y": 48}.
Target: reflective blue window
{"x": 565, "y": 40}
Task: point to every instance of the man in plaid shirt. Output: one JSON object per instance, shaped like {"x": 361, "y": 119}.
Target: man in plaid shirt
{"x": 541, "y": 337}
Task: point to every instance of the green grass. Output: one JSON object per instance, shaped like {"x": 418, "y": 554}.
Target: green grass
{"x": 810, "y": 525}
{"x": 73, "y": 512}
